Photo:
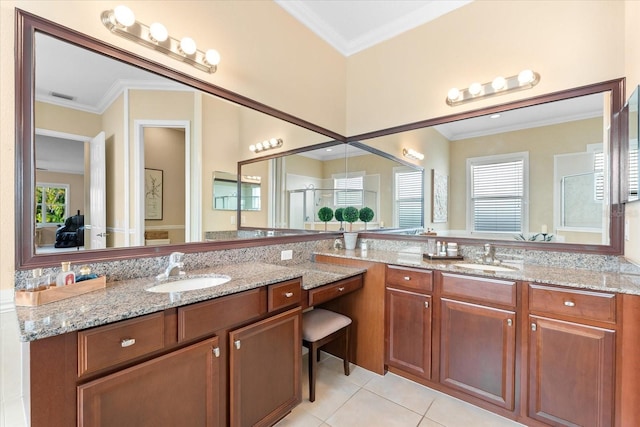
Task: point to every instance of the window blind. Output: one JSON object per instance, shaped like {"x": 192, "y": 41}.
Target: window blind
{"x": 598, "y": 169}
{"x": 348, "y": 191}
{"x": 633, "y": 171}
{"x": 409, "y": 200}
{"x": 497, "y": 194}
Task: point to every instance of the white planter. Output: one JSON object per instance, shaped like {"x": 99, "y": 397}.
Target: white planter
{"x": 350, "y": 240}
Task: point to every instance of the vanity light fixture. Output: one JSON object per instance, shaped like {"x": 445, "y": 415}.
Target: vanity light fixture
{"x": 266, "y": 145}
{"x": 410, "y": 153}
{"x": 526, "y": 79}
{"x": 122, "y": 21}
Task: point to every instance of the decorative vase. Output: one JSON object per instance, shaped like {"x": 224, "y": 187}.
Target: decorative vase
{"x": 350, "y": 240}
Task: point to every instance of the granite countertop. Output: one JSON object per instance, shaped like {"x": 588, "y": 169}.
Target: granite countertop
{"x": 128, "y": 298}
{"x": 572, "y": 277}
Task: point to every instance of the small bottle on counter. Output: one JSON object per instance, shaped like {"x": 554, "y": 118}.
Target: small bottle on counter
{"x": 452, "y": 249}
{"x": 66, "y": 276}
{"x": 443, "y": 249}
{"x": 85, "y": 274}
{"x": 33, "y": 282}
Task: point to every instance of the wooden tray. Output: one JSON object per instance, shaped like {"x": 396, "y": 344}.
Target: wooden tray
{"x": 443, "y": 257}
{"x": 57, "y": 293}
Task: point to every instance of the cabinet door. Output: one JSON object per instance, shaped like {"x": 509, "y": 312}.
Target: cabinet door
{"x": 477, "y": 351}
{"x": 174, "y": 389}
{"x": 408, "y": 332}
{"x": 264, "y": 369}
{"x": 571, "y": 373}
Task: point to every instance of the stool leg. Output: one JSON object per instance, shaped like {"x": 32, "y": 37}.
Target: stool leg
{"x": 312, "y": 372}
{"x": 346, "y": 352}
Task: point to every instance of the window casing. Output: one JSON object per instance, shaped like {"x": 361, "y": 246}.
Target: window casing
{"x": 52, "y": 203}
{"x": 497, "y": 193}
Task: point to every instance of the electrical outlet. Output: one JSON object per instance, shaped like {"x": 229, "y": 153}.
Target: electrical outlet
{"x": 285, "y": 255}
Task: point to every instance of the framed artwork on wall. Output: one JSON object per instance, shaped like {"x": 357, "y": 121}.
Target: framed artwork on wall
{"x": 153, "y": 194}
{"x": 439, "y": 196}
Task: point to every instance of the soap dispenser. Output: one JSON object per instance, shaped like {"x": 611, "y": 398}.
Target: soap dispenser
{"x": 66, "y": 276}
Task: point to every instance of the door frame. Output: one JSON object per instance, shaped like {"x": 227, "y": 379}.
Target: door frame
{"x": 192, "y": 169}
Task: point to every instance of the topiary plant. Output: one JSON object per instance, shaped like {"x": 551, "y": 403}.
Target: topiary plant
{"x": 325, "y": 214}
{"x": 338, "y": 214}
{"x": 350, "y": 214}
{"x": 366, "y": 214}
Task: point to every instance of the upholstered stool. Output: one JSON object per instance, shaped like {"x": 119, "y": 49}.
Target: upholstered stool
{"x": 319, "y": 327}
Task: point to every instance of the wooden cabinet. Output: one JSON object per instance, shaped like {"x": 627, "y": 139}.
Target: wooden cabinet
{"x": 264, "y": 370}
{"x": 408, "y": 331}
{"x": 478, "y": 337}
{"x": 571, "y": 377}
{"x": 477, "y": 351}
{"x": 174, "y": 389}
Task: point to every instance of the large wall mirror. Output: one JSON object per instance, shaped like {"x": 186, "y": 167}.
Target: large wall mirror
{"x": 73, "y": 143}
{"x": 543, "y": 172}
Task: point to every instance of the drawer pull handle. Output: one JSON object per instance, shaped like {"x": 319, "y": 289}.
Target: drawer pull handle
{"x": 534, "y": 327}
{"x": 426, "y": 304}
{"x": 216, "y": 351}
{"x": 407, "y": 278}
{"x": 237, "y": 344}
{"x": 127, "y": 342}
{"x": 509, "y": 322}
{"x": 341, "y": 288}
{"x": 288, "y": 294}
{"x": 570, "y": 303}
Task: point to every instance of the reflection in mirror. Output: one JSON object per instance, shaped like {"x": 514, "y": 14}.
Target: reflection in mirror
{"x": 303, "y": 182}
{"x": 540, "y": 173}
{"x": 633, "y": 115}
{"x": 225, "y": 192}
{"x": 101, "y": 125}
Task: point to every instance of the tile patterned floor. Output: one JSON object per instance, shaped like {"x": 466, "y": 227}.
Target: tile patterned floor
{"x": 369, "y": 400}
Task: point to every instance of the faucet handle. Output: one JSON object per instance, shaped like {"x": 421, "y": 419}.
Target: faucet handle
{"x": 176, "y": 257}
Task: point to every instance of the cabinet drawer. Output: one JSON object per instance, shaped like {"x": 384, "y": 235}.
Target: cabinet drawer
{"x": 575, "y": 303}
{"x": 285, "y": 294}
{"x": 205, "y": 318}
{"x": 334, "y": 290}
{"x": 412, "y": 278}
{"x": 109, "y": 345}
{"x": 492, "y": 291}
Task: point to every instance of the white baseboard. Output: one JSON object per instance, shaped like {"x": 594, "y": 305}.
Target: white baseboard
{"x": 7, "y": 301}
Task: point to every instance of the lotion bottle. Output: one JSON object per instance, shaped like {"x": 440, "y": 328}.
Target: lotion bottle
{"x": 66, "y": 276}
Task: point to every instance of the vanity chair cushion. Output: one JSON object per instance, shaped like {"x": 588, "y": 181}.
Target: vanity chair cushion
{"x": 320, "y": 327}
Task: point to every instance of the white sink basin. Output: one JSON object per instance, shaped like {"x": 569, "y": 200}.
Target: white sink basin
{"x": 483, "y": 267}
{"x": 191, "y": 284}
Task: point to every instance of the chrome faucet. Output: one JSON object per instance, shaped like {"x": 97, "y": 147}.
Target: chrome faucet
{"x": 488, "y": 257}
{"x": 175, "y": 267}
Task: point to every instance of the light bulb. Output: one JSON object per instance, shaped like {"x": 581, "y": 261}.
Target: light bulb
{"x": 499, "y": 83}
{"x": 525, "y": 77}
{"x": 454, "y": 94}
{"x": 124, "y": 16}
{"x": 252, "y": 148}
{"x": 212, "y": 57}
{"x": 475, "y": 89}
{"x": 188, "y": 46}
{"x": 273, "y": 142}
{"x": 259, "y": 146}
{"x": 158, "y": 32}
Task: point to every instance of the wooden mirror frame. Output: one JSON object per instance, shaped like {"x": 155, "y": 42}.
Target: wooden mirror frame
{"x": 28, "y": 24}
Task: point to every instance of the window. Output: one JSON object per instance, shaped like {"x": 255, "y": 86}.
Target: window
{"x": 633, "y": 170}
{"x": 498, "y": 191}
{"x": 408, "y": 209}
{"x": 51, "y": 203}
{"x": 349, "y": 190}
{"x": 598, "y": 175}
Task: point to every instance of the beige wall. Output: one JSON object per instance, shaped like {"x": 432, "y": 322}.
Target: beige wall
{"x": 632, "y": 71}
{"x": 268, "y": 56}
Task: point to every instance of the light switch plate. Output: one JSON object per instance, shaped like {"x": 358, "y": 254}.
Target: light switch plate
{"x": 285, "y": 255}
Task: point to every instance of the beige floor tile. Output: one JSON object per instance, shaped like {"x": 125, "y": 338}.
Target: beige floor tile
{"x": 299, "y": 418}
{"x": 426, "y": 422}
{"x": 406, "y": 393}
{"x": 357, "y": 374}
{"x": 367, "y": 409}
{"x": 452, "y": 412}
